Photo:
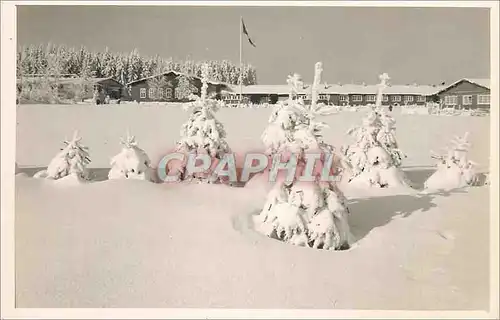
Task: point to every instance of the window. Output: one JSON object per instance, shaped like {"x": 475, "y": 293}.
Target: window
{"x": 323, "y": 97}
{"x": 467, "y": 100}
{"x": 421, "y": 98}
{"x": 343, "y": 98}
{"x": 385, "y": 98}
{"x": 177, "y": 94}
{"x": 152, "y": 93}
{"x": 450, "y": 100}
{"x": 160, "y": 93}
{"x": 396, "y": 98}
{"x": 483, "y": 99}
{"x": 143, "y": 93}
{"x": 168, "y": 93}
{"x": 408, "y": 98}
{"x": 371, "y": 97}
{"x": 357, "y": 97}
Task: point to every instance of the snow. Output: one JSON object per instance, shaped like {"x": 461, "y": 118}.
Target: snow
{"x": 203, "y": 253}
{"x": 132, "y": 243}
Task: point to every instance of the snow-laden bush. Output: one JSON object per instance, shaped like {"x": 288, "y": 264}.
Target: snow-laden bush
{"x": 201, "y": 134}
{"x": 454, "y": 169}
{"x": 131, "y": 163}
{"x": 311, "y": 214}
{"x": 71, "y": 162}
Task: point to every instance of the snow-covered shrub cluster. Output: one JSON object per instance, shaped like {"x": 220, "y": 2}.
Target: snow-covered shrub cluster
{"x": 131, "y": 163}
{"x": 312, "y": 213}
{"x": 71, "y": 162}
{"x": 201, "y": 134}
{"x": 454, "y": 169}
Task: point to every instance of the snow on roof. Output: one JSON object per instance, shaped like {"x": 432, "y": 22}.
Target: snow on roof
{"x": 261, "y": 89}
{"x": 340, "y": 89}
{"x": 177, "y": 73}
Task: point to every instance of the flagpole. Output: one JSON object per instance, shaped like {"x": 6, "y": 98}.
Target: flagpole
{"x": 241, "y": 55}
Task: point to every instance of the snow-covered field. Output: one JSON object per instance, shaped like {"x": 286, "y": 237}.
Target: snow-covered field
{"x": 132, "y": 243}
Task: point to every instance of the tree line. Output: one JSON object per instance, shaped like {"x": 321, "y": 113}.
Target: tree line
{"x": 59, "y": 60}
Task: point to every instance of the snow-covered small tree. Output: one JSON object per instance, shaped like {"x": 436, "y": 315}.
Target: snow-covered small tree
{"x": 454, "y": 169}
{"x": 375, "y": 158}
{"x": 185, "y": 88}
{"x": 131, "y": 163}
{"x": 311, "y": 214}
{"x": 158, "y": 83}
{"x": 314, "y": 213}
{"x": 71, "y": 161}
{"x": 201, "y": 134}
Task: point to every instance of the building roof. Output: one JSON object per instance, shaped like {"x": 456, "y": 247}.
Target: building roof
{"x": 485, "y": 83}
{"x": 340, "y": 89}
{"x": 177, "y": 73}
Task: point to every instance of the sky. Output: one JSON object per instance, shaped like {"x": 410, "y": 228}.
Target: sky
{"x": 355, "y": 44}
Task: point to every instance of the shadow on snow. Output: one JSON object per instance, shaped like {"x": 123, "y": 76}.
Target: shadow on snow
{"x": 367, "y": 214}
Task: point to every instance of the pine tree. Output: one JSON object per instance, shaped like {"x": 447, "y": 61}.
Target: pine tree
{"x": 201, "y": 134}
{"x": 133, "y": 62}
{"x": 83, "y": 88}
{"x": 311, "y": 214}
{"x": 50, "y": 82}
{"x": 72, "y": 160}
{"x": 454, "y": 169}
{"x": 131, "y": 163}
{"x": 34, "y": 60}
{"x": 374, "y": 158}
{"x": 185, "y": 89}
{"x": 108, "y": 63}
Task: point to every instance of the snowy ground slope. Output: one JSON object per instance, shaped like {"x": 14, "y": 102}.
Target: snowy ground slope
{"x": 137, "y": 244}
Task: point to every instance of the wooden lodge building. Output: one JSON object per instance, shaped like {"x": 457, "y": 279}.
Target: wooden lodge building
{"x": 463, "y": 94}
{"x": 466, "y": 94}
{"x": 339, "y": 94}
{"x": 167, "y": 87}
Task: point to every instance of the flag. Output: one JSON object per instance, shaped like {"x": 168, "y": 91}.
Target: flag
{"x": 246, "y": 33}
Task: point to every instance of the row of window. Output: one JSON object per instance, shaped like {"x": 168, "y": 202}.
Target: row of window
{"x": 167, "y": 93}
{"x": 385, "y": 98}
{"x": 467, "y": 100}
{"x": 355, "y": 98}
